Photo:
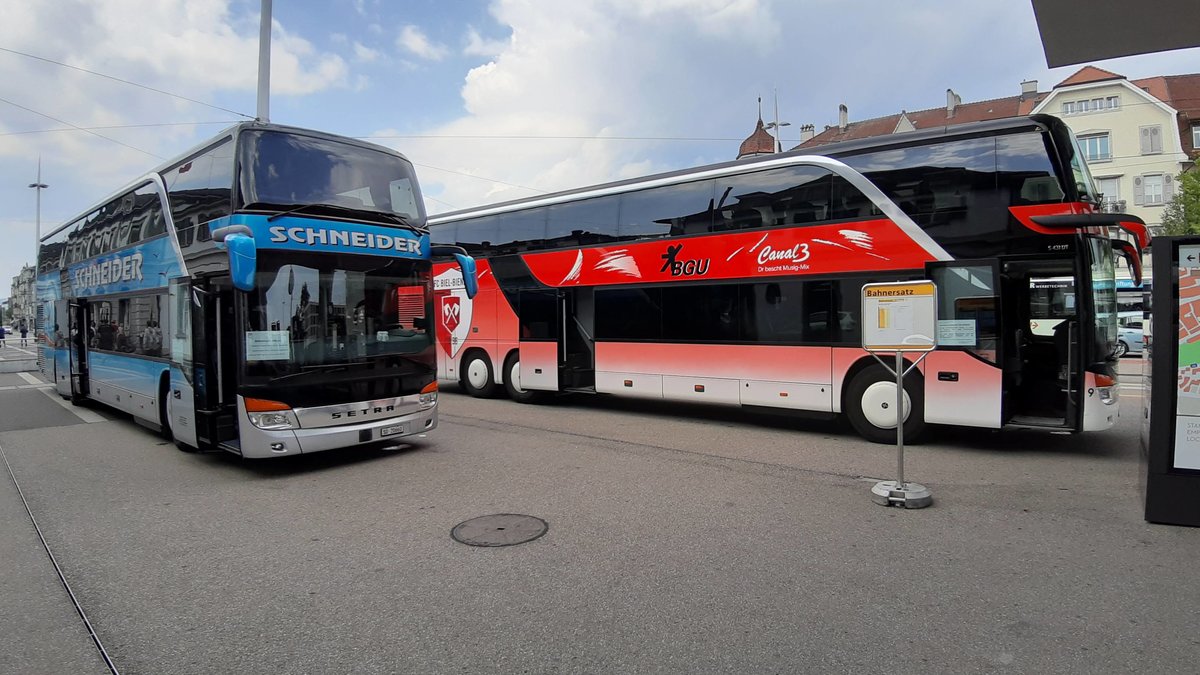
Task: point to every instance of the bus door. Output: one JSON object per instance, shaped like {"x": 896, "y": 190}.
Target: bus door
{"x": 1045, "y": 369}
{"x": 60, "y": 342}
{"x": 577, "y": 346}
{"x": 540, "y": 318}
{"x": 77, "y": 351}
{"x": 215, "y": 359}
{"x": 181, "y": 402}
{"x": 965, "y": 381}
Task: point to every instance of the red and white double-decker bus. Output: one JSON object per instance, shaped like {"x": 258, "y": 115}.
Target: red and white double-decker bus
{"x": 740, "y": 283}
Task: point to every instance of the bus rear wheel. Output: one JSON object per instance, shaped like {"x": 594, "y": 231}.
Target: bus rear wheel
{"x": 512, "y": 381}
{"x": 871, "y": 405}
{"x": 477, "y": 377}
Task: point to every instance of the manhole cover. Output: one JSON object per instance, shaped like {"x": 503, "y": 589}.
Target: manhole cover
{"x": 501, "y": 529}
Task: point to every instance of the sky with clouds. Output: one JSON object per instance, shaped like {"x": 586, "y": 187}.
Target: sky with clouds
{"x": 492, "y": 99}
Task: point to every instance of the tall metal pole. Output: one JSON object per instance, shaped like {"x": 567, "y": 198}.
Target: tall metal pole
{"x": 264, "y": 63}
{"x": 38, "y": 187}
{"x": 37, "y": 225}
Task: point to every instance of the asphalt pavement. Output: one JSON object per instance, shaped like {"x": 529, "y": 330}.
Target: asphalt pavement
{"x": 681, "y": 539}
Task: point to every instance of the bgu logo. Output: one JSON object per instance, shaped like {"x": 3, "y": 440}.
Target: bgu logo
{"x": 451, "y": 312}
{"x": 683, "y": 268}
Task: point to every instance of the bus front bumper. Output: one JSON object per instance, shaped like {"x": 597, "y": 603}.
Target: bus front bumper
{"x": 257, "y": 443}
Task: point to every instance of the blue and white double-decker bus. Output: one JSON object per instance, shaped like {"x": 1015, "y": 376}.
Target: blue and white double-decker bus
{"x": 268, "y": 293}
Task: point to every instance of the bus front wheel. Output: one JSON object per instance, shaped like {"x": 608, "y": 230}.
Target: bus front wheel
{"x": 512, "y": 381}
{"x": 871, "y": 405}
{"x": 477, "y": 377}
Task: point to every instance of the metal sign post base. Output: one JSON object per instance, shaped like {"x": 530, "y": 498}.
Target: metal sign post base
{"x": 905, "y": 495}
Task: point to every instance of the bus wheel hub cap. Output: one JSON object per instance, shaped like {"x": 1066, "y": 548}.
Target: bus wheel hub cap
{"x": 879, "y": 404}
{"x": 477, "y": 374}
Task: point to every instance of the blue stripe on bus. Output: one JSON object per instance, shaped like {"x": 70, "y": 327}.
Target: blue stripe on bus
{"x": 297, "y": 233}
{"x": 131, "y": 373}
{"x": 146, "y": 266}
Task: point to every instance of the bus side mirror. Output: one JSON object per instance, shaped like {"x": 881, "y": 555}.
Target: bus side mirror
{"x": 243, "y": 254}
{"x": 466, "y": 264}
{"x": 243, "y": 260}
{"x": 1132, "y": 256}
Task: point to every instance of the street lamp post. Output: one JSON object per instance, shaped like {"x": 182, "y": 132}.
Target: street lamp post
{"x": 37, "y": 239}
{"x": 37, "y": 224}
{"x": 777, "y": 125}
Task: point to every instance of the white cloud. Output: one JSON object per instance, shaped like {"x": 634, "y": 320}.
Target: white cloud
{"x": 414, "y": 41}
{"x": 477, "y": 45}
{"x": 590, "y": 69}
{"x": 205, "y": 50}
{"x": 364, "y": 54}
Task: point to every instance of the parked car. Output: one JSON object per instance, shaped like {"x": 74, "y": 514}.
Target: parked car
{"x": 1129, "y": 338}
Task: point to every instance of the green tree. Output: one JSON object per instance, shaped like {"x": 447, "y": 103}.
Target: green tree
{"x": 1182, "y": 214}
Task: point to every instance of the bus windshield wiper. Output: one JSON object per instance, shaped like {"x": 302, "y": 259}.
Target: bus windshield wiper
{"x": 310, "y": 370}
{"x": 390, "y": 217}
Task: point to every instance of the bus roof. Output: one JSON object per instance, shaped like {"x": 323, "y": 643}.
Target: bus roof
{"x": 197, "y": 149}
{"x": 835, "y": 150}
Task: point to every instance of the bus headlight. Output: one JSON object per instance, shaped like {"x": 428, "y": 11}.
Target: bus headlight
{"x": 428, "y": 397}
{"x": 273, "y": 421}
{"x": 270, "y": 415}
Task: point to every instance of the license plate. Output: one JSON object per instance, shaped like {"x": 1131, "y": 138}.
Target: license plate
{"x": 393, "y": 430}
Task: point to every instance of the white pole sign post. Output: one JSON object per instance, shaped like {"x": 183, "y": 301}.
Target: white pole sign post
{"x": 900, "y": 317}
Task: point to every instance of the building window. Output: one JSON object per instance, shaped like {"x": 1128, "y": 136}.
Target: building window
{"x": 1196, "y": 137}
{"x": 1068, "y": 108}
{"x": 1081, "y": 106}
{"x": 1098, "y": 104}
{"x": 1096, "y": 147}
{"x": 1152, "y": 189}
{"x": 1110, "y": 193}
{"x": 1151, "y": 139}
{"x": 1113, "y": 102}
{"x": 1110, "y": 188}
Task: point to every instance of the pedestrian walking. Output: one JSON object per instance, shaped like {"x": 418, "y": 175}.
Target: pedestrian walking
{"x": 2, "y": 342}
{"x": 24, "y": 335}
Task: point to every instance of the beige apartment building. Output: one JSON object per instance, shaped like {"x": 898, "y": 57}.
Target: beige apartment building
{"x": 21, "y": 297}
{"x": 1131, "y": 133}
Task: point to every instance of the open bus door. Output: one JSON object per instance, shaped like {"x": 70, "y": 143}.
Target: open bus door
{"x": 557, "y": 345}
{"x": 181, "y": 404}
{"x": 1047, "y": 372}
{"x": 77, "y": 350}
{"x": 61, "y": 344}
{"x": 577, "y": 347}
{"x": 214, "y": 356}
{"x": 965, "y": 380}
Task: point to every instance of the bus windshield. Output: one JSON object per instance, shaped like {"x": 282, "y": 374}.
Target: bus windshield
{"x": 284, "y": 169}
{"x": 1104, "y": 294}
{"x": 322, "y": 313}
{"x": 1083, "y": 176}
